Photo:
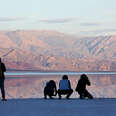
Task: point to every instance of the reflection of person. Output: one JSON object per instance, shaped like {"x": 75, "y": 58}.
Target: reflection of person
{"x": 50, "y": 89}
{"x": 2, "y": 78}
{"x": 81, "y": 87}
{"x": 65, "y": 87}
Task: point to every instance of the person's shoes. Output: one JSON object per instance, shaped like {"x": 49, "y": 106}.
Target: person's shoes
{"x": 51, "y": 97}
{"x": 45, "y": 97}
{"x": 82, "y": 96}
{"x": 67, "y": 97}
{"x": 91, "y": 97}
{"x": 4, "y": 99}
{"x": 59, "y": 97}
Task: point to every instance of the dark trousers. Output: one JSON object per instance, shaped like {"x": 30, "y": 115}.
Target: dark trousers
{"x": 2, "y": 88}
{"x": 48, "y": 92}
{"x": 84, "y": 93}
{"x": 67, "y": 92}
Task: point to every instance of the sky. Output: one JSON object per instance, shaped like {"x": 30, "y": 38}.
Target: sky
{"x": 78, "y": 17}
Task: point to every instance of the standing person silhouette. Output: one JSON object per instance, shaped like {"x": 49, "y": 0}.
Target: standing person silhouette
{"x": 2, "y": 78}
{"x": 65, "y": 87}
{"x": 81, "y": 87}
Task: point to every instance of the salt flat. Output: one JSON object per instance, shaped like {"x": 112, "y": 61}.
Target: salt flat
{"x": 55, "y": 107}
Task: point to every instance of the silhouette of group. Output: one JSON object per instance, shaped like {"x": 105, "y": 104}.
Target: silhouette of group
{"x": 51, "y": 89}
{"x": 65, "y": 88}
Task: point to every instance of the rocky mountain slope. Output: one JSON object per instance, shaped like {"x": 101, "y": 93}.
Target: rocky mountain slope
{"x": 51, "y": 50}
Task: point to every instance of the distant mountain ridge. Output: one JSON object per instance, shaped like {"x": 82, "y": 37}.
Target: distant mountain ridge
{"x": 51, "y": 50}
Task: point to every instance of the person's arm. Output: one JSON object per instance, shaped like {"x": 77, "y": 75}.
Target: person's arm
{"x": 55, "y": 89}
{"x": 59, "y": 84}
{"x": 69, "y": 84}
{"x": 3, "y": 67}
{"x": 88, "y": 82}
{"x": 78, "y": 86}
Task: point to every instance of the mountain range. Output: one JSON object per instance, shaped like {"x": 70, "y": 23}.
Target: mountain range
{"x": 52, "y": 50}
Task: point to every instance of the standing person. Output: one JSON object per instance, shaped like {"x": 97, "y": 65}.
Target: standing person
{"x": 65, "y": 87}
{"x": 50, "y": 89}
{"x": 2, "y": 78}
{"x": 81, "y": 87}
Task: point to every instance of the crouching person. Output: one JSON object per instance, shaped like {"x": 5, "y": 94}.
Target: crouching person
{"x": 50, "y": 89}
{"x": 65, "y": 87}
{"x": 81, "y": 87}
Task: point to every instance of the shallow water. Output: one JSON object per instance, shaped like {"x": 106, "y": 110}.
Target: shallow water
{"x": 31, "y": 86}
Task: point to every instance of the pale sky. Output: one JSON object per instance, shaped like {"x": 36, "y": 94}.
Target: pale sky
{"x": 79, "y": 17}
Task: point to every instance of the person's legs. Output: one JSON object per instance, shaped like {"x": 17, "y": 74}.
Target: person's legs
{"x": 82, "y": 96}
{"x": 48, "y": 92}
{"x": 87, "y": 94}
{"x": 45, "y": 93}
{"x": 69, "y": 92}
{"x": 65, "y": 92}
{"x": 81, "y": 93}
{"x": 51, "y": 93}
{"x": 59, "y": 93}
{"x": 45, "y": 96}
{"x": 50, "y": 96}
{"x": 2, "y": 89}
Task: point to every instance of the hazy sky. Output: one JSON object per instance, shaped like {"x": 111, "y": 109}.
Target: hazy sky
{"x": 80, "y": 17}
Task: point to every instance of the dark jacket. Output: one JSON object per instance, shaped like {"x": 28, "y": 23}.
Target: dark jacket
{"x": 81, "y": 86}
{"x": 50, "y": 88}
{"x": 2, "y": 70}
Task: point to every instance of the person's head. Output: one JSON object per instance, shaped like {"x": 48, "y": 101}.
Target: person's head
{"x": 51, "y": 81}
{"x": 84, "y": 76}
{"x": 65, "y": 77}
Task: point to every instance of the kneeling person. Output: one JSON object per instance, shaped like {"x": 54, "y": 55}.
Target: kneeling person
{"x": 65, "y": 87}
{"x": 81, "y": 87}
{"x": 50, "y": 89}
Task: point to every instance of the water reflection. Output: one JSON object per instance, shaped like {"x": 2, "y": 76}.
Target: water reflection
{"x": 23, "y": 87}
